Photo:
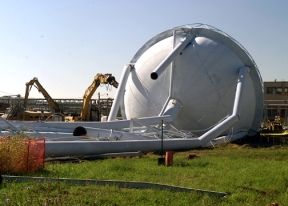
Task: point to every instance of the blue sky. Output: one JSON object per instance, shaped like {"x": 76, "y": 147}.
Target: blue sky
{"x": 65, "y": 43}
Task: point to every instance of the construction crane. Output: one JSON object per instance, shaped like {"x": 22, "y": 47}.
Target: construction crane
{"x": 98, "y": 79}
{"x": 34, "y": 82}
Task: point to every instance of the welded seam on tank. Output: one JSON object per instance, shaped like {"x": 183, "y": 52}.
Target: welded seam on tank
{"x": 224, "y": 95}
{"x": 203, "y": 66}
{"x": 130, "y": 87}
{"x": 208, "y": 128}
{"x": 146, "y": 91}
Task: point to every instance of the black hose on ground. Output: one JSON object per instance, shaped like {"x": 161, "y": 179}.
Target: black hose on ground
{"x": 122, "y": 184}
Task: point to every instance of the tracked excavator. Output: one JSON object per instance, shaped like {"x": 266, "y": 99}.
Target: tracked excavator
{"x": 98, "y": 79}
{"x": 21, "y": 112}
{"x": 56, "y": 109}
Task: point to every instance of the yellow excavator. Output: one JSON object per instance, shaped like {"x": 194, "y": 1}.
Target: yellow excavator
{"x": 34, "y": 82}
{"x": 98, "y": 79}
{"x": 21, "y": 113}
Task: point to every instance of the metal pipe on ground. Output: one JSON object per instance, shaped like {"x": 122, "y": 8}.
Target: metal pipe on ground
{"x": 82, "y": 148}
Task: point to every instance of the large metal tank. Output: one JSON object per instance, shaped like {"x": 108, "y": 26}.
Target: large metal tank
{"x": 202, "y": 78}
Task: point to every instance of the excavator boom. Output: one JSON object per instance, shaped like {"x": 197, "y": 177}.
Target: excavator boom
{"x": 98, "y": 79}
{"x": 34, "y": 82}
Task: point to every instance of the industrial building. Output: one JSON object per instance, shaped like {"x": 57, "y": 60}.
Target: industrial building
{"x": 276, "y": 101}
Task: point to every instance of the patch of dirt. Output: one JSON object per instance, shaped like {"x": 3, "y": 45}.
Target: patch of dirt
{"x": 192, "y": 156}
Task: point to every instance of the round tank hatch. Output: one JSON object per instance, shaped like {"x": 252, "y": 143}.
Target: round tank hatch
{"x": 202, "y": 77}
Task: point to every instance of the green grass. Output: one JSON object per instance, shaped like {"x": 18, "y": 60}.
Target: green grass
{"x": 250, "y": 176}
